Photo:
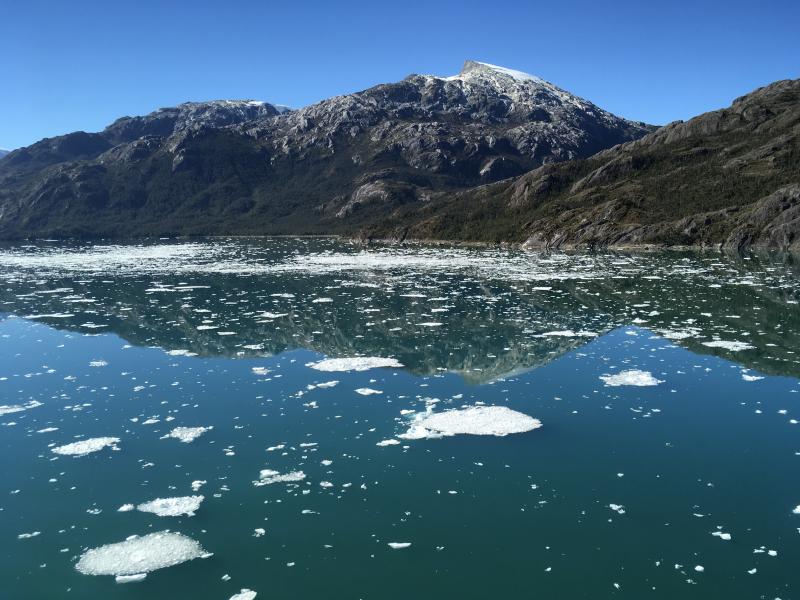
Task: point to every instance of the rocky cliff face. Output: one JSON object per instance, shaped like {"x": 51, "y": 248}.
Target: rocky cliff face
{"x": 726, "y": 178}
{"x": 250, "y": 167}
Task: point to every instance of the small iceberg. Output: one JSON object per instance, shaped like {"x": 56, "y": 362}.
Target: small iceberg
{"x": 187, "y": 434}
{"x": 172, "y": 507}
{"x": 137, "y": 556}
{"x": 85, "y": 447}
{"x": 473, "y": 420}
{"x": 356, "y": 363}
{"x": 631, "y": 377}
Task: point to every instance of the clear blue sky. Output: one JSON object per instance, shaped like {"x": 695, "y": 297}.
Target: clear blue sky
{"x": 70, "y": 65}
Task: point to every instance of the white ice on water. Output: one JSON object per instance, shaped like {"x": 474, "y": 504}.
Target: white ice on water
{"x": 356, "y": 363}
{"x": 631, "y": 377}
{"x": 268, "y": 476}
{"x": 172, "y": 507}
{"x": 187, "y": 434}
{"x": 473, "y": 420}
{"x": 84, "y": 447}
{"x": 729, "y": 345}
{"x": 244, "y": 594}
{"x": 7, "y": 409}
{"x": 140, "y": 555}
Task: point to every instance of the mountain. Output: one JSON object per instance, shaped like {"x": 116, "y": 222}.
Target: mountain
{"x": 243, "y": 167}
{"x": 727, "y": 178}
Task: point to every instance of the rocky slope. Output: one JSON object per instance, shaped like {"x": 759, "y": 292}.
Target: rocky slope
{"x": 727, "y": 178}
{"x": 253, "y": 168}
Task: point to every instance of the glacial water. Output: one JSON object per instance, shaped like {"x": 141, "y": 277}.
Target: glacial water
{"x": 666, "y": 464}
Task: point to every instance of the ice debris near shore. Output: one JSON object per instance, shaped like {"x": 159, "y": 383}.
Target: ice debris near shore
{"x": 84, "y": 447}
{"x": 726, "y": 345}
{"x": 172, "y": 507}
{"x": 472, "y": 420}
{"x": 187, "y": 434}
{"x": 244, "y": 594}
{"x": 633, "y": 377}
{"x": 356, "y": 363}
{"x": 137, "y": 556}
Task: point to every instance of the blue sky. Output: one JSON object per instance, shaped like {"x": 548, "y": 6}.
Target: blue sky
{"x": 70, "y": 65}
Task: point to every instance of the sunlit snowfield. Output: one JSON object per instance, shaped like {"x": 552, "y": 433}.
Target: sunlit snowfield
{"x": 666, "y": 464}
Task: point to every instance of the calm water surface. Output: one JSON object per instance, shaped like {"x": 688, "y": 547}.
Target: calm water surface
{"x": 133, "y": 340}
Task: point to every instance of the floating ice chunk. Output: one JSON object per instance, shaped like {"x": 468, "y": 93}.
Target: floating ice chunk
{"x": 197, "y": 484}
{"x": 131, "y": 578}
{"x": 27, "y": 536}
{"x": 356, "y": 363}
{"x": 244, "y": 594}
{"x": 140, "y": 555}
{"x": 390, "y": 442}
{"x": 728, "y": 345}
{"x": 699, "y": 568}
{"x": 327, "y": 384}
{"x": 48, "y": 430}
{"x": 98, "y": 363}
{"x": 172, "y": 507}
{"x": 474, "y": 420}
{"x": 399, "y": 545}
{"x": 268, "y": 476}
{"x": 181, "y": 352}
{"x": 85, "y": 447}
{"x": 796, "y": 511}
{"x": 187, "y": 434}
{"x": 7, "y": 409}
{"x": 617, "y": 508}
{"x": 747, "y": 377}
{"x": 631, "y": 377}
{"x": 260, "y": 370}
{"x": 126, "y": 508}
{"x": 567, "y": 333}
{"x": 367, "y": 391}
{"x": 722, "y": 536}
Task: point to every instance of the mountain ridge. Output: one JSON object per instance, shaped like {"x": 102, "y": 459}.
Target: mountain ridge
{"x": 726, "y": 178}
{"x": 251, "y": 168}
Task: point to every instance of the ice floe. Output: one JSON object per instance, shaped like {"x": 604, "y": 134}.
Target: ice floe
{"x": 7, "y": 409}
{"x": 390, "y": 442}
{"x": 633, "y": 377}
{"x": 187, "y": 434}
{"x": 244, "y": 594}
{"x": 140, "y": 555}
{"x": 172, "y": 507}
{"x": 84, "y": 447}
{"x": 268, "y": 476}
{"x": 729, "y": 345}
{"x": 367, "y": 391}
{"x": 399, "y": 545}
{"x": 356, "y": 363}
{"x": 473, "y": 420}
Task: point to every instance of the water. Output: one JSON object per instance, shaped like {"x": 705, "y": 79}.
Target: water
{"x": 131, "y": 341}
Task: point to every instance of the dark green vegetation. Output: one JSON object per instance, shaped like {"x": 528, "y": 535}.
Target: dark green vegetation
{"x": 729, "y": 177}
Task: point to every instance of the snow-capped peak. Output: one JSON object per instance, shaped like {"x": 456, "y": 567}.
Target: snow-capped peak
{"x": 474, "y": 69}
{"x": 472, "y": 66}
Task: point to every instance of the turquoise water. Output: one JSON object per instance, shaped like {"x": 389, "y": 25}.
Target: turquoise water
{"x": 131, "y": 341}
